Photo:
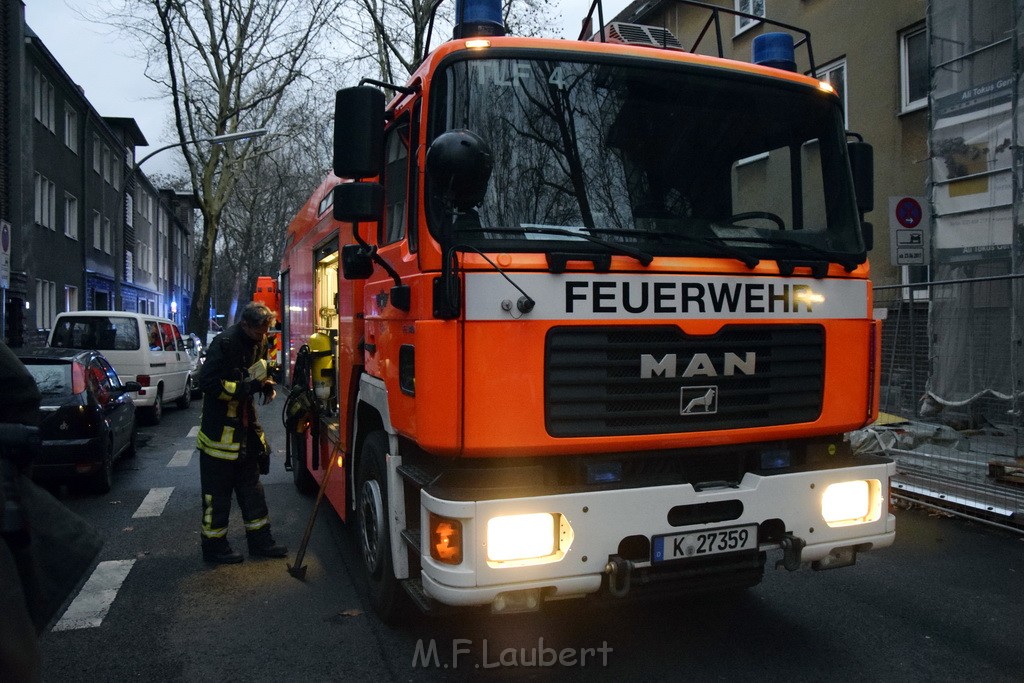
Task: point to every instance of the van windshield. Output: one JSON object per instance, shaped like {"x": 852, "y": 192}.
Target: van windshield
{"x": 103, "y": 333}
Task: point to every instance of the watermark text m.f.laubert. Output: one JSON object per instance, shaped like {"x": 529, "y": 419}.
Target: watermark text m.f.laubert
{"x": 463, "y": 653}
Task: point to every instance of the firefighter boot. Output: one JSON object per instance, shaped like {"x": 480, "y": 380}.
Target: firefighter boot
{"x": 262, "y": 544}
{"x": 219, "y": 552}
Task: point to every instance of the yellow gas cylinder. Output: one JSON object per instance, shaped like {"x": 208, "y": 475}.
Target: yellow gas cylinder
{"x": 322, "y": 366}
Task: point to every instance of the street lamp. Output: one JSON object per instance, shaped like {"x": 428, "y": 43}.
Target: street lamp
{"x": 216, "y": 140}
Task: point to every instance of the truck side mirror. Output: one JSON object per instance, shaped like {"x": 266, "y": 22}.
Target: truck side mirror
{"x": 356, "y": 262}
{"x": 358, "y": 202}
{"x": 358, "y": 132}
{"x": 862, "y": 164}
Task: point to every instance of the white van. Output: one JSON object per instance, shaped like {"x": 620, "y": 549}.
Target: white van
{"x": 142, "y": 348}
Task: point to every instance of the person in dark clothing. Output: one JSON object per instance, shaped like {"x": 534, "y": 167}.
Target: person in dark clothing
{"x": 233, "y": 449}
{"x": 46, "y": 551}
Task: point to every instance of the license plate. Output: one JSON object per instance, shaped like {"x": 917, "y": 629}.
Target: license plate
{"x": 703, "y": 543}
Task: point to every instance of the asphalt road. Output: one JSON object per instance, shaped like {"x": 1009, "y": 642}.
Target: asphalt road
{"x": 945, "y": 603}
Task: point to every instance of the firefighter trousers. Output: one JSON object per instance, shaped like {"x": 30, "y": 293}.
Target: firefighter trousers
{"x": 220, "y": 479}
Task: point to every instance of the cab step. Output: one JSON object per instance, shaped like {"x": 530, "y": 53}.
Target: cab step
{"x": 426, "y": 604}
{"x": 415, "y": 475}
{"x": 412, "y": 539}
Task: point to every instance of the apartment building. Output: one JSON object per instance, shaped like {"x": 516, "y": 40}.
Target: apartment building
{"x": 87, "y": 229}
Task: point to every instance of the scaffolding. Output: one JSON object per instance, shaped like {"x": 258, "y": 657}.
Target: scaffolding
{"x": 952, "y": 380}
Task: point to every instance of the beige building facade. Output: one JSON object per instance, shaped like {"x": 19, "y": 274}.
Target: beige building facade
{"x": 873, "y": 53}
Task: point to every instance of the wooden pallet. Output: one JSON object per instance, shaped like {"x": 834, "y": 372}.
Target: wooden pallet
{"x": 1006, "y": 472}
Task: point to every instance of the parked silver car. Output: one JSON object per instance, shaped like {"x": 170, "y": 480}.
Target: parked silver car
{"x": 196, "y": 354}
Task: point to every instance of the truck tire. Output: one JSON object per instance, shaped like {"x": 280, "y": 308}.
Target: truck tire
{"x": 304, "y": 481}
{"x": 372, "y": 536}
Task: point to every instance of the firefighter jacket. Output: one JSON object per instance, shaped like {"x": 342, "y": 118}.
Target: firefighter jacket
{"x": 228, "y": 410}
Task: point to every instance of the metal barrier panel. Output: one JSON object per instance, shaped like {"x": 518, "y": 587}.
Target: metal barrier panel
{"x": 950, "y": 406}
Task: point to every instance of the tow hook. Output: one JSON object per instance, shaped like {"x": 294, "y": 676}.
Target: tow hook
{"x": 619, "y": 572}
{"x": 792, "y": 547}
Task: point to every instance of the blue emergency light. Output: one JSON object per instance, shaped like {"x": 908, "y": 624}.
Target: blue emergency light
{"x": 478, "y": 18}
{"x": 775, "y": 50}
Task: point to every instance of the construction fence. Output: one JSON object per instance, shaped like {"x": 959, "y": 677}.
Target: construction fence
{"x": 951, "y": 396}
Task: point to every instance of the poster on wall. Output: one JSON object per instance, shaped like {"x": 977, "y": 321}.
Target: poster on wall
{"x": 972, "y": 182}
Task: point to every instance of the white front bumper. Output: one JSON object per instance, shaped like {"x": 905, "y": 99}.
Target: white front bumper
{"x": 601, "y": 519}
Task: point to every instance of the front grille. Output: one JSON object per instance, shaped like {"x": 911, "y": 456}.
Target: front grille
{"x": 593, "y": 384}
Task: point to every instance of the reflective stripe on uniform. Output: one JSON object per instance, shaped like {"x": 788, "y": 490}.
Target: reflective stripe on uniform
{"x": 230, "y": 389}
{"x": 232, "y": 409}
{"x": 208, "y": 530}
{"x": 225, "y": 449}
{"x": 257, "y": 524}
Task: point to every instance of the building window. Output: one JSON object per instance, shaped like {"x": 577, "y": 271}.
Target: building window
{"x": 97, "y": 231}
{"x": 71, "y": 128}
{"x": 45, "y": 202}
{"x": 916, "y": 275}
{"x": 755, "y": 7}
{"x": 97, "y": 160}
{"x": 46, "y": 303}
{"x": 129, "y": 210}
{"x": 70, "y": 298}
{"x": 43, "y": 100}
{"x": 106, "y": 163}
{"x": 115, "y": 173}
{"x": 70, "y": 216}
{"x": 108, "y": 234}
{"x": 37, "y": 94}
{"x": 914, "y": 78}
{"x": 834, "y": 73}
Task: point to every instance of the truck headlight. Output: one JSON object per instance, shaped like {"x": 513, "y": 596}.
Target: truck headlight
{"x": 522, "y": 537}
{"x": 852, "y": 502}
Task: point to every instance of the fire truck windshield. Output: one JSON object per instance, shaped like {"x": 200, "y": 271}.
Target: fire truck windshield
{"x": 670, "y": 159}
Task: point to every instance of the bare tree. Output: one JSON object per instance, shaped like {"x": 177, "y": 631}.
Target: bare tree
{"x": 227, "y": 65}
{"x": 393, "y": 34}
{"x": 269, "y": 191}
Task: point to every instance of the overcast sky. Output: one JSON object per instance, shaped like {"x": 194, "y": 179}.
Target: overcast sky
{"x": 103, "y": 65}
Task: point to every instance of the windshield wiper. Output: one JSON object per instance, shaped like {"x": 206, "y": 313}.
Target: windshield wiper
{"x": 848, "y": 264}
{"x": 715, "y": 243}
{"x": 643, "y": 257}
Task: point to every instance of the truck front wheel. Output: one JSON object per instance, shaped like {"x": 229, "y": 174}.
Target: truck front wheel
{"x": 373, "y": 535}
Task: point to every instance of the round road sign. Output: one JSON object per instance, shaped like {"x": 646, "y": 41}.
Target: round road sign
{"x": 908, "y": 212}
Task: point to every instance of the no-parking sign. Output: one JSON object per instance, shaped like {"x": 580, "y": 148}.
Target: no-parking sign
{"x": 909, "y": 231}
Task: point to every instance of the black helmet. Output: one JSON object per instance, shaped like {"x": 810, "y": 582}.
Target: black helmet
{"x": 459, "y": 167}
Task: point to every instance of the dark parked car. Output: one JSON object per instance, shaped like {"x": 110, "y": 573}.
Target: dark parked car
{"x": 88, "y": 416}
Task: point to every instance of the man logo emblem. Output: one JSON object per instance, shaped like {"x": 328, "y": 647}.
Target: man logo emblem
{"x": 698, "y": 400}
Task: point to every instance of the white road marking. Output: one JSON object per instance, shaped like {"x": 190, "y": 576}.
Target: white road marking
{"x": 93, "y": 602}
{"x": 154, "y": 502}
{"x": 194, "y": 431}
{"x": 181, "y": 459}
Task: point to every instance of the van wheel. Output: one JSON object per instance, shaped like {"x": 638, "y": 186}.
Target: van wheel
{"x": 155, "y": 413}
{"x": 386, "y": 595}
{"x": 185, "y": 400}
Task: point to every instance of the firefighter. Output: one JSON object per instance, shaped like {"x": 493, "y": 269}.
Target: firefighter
{"x": 233, "y": 449}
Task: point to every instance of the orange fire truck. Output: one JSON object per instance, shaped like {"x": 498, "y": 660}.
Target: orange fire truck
{"x": 589, "y": 318}
{"x": 268, "y": 294}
